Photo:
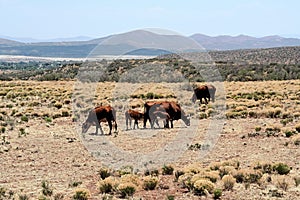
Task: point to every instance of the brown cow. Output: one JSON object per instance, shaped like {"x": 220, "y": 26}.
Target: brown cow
{"x": 133, "y": 115}
{"x": 98, "y": 115}
{"x": 172, "y": 108}
{"x": 205, "y": 92}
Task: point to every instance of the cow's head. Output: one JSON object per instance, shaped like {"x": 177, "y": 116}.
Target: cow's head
{"x": 194, "y": 98}
{"x": 86, "y": 126}
{"x": 186, "y": 119}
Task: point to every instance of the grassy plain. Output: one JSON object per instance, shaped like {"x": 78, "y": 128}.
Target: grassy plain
{"x": 40, "y": 143}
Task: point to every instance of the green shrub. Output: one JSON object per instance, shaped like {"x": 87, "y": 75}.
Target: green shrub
{"x": 48, "y": 119}
{"x": 22, "y": 132}
{"x": 170, "y": 197}
{"x": 58, "y": 105}
{"x": 104, "y": 173}
{"x": 46, "y": 188}
{"x": 81, "y": 194}
{"x": 217, "y": 193}
{"x": 258, "y": 128}
{"x": 281, "y": 168}
{"x": 65, "y": 113}
{"x": 24, "y": 118}
{"x": 150, "y": 95}
{"x": 75, "y": 184}
{"x": 167, "y": 170}
{"x": 107, "y": 185}
{"x": 289, "y": 134}
{"x": 150, "y": 183}
{"x": 153, "y": 172}
{"x": 2, "y": 130}
{"x": 2, "y": 192}
{"x": 126, "y": 189}
{"x": 23, "y": 197}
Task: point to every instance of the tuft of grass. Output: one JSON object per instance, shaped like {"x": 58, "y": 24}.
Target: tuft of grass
{"x": 203, "y": 187}
{"x": 126, "y": 189}
{"x": 150, "y": 183}
{"x": 75, "y": 184}
{"x": 107, "y": 185}
{"x": 23, "y": 197}
{"x": 217, "y": 193}
{"x": 167, "y": 170}
{"x": 46, "y": 189}
{"x": 24, "y": 118}
{"x": 81, "y": 194}
{"x": 126, "y": 170}
{"x": 104, "y": 173}
{"x": 228, "y": 182}
{"x": 48, "y": 119}
{"x": 22, "y": 132}
{"x": 153, "y": 172}
{"x": 297, "y": 180}
{"x": 282, "y": 183}
{"x": 170, "y": 197}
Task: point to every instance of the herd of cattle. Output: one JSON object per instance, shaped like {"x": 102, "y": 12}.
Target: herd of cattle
{"x": 168, "y": 111}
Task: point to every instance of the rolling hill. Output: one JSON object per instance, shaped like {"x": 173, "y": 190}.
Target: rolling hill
{"x": 141, "y": 42}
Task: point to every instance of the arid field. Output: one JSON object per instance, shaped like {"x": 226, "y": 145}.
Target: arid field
{"x": 254, "y": 154}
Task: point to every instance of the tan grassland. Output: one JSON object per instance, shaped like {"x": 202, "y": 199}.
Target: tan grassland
{"x": 40, "y": 141}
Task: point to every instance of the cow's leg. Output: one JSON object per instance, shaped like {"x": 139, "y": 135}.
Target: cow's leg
{"x": 167, "y": 124}
{"x": 135, "y": 124}
{"x": 171, "y": 123}
{"x": 146, "y": 118}
{"x": 156, "y": 121}
{"x": 98, "y": 126}
{"x": 205, "y": 99}
{"x": 116, "y": 126}
{"x": 110, "y": 126}
{"x": 129, "y": 122}
{"x": 126, "y": 122}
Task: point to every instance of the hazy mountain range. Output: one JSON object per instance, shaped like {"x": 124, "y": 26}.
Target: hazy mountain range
{"x": 136, "y": 42}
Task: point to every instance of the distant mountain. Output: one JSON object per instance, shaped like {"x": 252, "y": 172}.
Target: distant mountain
{"x": 6, "y": 43}
{"x": 33, "y": 40}
{"x": 139, "y": 42}
{"x": 243, "y": 42}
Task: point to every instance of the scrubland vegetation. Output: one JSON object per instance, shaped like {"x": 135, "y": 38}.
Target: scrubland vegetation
{"x": 256, "y": 156}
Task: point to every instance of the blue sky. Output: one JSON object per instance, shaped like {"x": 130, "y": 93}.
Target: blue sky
{"x": 45, "y": 19}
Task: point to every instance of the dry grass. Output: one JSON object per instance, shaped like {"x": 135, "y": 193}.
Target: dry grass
{"x": 50, "y": 150}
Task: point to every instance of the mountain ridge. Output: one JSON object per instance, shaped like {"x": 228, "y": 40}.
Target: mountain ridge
{"x": 142, "y": 39}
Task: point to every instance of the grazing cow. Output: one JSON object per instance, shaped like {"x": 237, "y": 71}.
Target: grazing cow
{"x": 172, "y": 108}
{"x": 98, "y": 115}
{"x": 133, "y": 115}
{"x": 205, "y": 92}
